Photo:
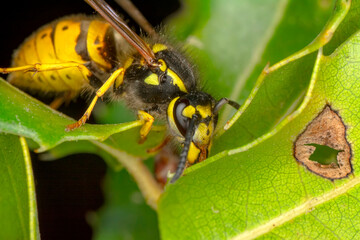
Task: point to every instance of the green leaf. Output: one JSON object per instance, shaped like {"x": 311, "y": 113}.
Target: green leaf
{"x": 18, "y": 211}
{"x": 266, "y": 109}
{"x": 68, "y": 148}
{"x": 348, "y": 26}
{"x": 26, "y": 116}
{"x": 259, "y": 189}
{"x": 300, "y": 24}
{"x": 253, "y": 186}
{"x": 280, "y": 91}
{"x": 225, "y": 55}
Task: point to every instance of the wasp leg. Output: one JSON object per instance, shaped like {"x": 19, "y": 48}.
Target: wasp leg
{"x": 41, "y": 67}
{"x": 160, "y": 146}
{"x": 64, "y": 98}
{"x": 148, "y": 122}
{"x": 99, "y": 93}
{"x": 46, "y": 67}
{"x": 57, "y": 102}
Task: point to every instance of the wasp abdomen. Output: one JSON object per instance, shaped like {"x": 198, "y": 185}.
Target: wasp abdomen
{"x": 76, "y": 39}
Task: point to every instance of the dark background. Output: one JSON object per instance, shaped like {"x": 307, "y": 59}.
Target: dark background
{"x": 67, "y": 188}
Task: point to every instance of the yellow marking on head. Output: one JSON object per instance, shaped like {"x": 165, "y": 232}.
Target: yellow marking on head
{"x": 159, "y": 47}
{"x": 170, "y": 116}
{"x": 193, "y": 153}
{"x": 188, "y": 111}
{"x": 142, "y": 61}
{"x": 203, "y": 134}
{"x": 152, "y": 79}
{"x": 205, "y": 111}
{"x": 176, "y": 80}
{"x": 163, "y": 66}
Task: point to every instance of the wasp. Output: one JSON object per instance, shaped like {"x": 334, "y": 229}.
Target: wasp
{"x": 104, "y": 55}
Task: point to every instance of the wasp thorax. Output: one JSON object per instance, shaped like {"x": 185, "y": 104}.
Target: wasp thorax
{"x": 152, "y": 88}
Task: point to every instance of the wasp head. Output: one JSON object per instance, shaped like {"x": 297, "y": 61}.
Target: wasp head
{"x": 196, "y": 107}
{"x": 193, "y": 118}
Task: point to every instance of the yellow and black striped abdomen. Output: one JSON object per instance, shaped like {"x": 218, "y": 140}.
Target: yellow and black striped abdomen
{"x": 76, "y": 39}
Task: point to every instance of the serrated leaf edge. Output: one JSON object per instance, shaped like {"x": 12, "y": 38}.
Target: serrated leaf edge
{"x": 342, "y": 7}
{"x": 277, "y": 128}
{"x": 256, "y": 56}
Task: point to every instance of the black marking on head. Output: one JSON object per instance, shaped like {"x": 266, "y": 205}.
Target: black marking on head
{"x": 206, "y": 120}
{"x": 68, "y": 77}
{"x": 197, "y": 98}
{"x": 53, "y": 77}
{"x": 43, "y": 36}
{"x": 65, "y": 27}
{"x": 200, "y": 98}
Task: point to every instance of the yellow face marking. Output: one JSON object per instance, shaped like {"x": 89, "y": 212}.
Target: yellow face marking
{"x": 188, "y": 111}
{"x": 152, "y": 79}
{"x": 205, "y": 111}
{"x": 176, "y": 80}
{"x": 203, "y": 134}
{"x": 159, "y": 47}
{"x": 193, "y": 154}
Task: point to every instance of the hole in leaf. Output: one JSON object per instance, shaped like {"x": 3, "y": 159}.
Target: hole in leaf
{"x": 324, "y": 155}
{"x": 322, "y": 147}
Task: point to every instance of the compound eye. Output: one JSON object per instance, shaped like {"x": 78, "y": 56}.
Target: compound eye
{"x": 182, "y": 122}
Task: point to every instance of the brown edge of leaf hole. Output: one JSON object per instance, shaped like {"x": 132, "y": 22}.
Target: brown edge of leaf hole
{"x": 328, "y": 129}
